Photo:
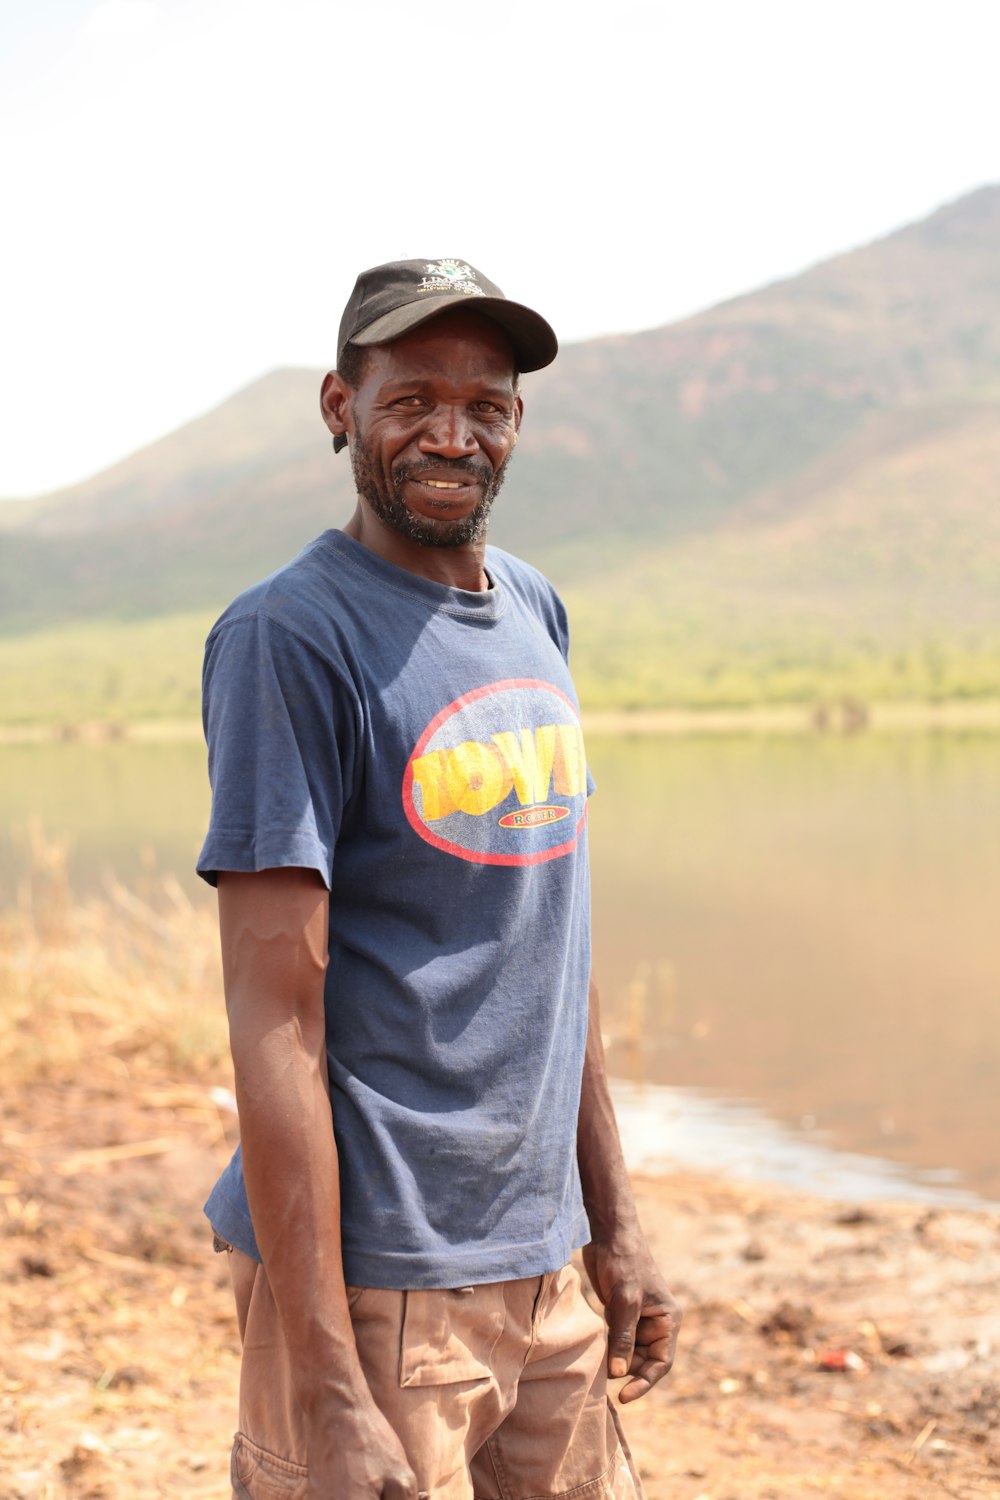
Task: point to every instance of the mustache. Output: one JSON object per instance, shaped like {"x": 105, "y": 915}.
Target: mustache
{"x": 477, "y": 470}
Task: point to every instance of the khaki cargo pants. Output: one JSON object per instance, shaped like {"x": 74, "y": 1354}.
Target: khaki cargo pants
{"x": 497, "y": 1392}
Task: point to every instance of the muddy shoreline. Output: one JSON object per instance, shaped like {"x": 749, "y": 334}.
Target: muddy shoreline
{"x": 891, "y": 716}
{"x": 827, "y": 1349}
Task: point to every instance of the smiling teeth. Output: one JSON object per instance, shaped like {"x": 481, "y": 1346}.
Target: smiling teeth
{"x": 444, "y": 484}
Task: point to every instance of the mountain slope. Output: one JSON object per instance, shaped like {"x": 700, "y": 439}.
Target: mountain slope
{"x": 812, "y": 464}
{"x": 867, "y": 585}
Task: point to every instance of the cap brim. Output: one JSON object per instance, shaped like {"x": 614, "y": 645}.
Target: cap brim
{"x": 535, "y": 343}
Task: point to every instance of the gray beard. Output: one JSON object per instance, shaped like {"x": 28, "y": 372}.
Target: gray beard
{"x": 387, "y": 502}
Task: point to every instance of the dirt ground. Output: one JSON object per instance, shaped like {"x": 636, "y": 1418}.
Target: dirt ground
{"x": 826, "y": 1350}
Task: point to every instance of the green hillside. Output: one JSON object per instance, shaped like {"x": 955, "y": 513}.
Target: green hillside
{"x": 104, "y": 672}
{"x": 791, "y": 496}
{"x": 856, "y": 582}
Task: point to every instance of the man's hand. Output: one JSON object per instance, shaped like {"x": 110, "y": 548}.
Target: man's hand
{"x": 643, "y": 1317}
{"x": 355, "y": 1455}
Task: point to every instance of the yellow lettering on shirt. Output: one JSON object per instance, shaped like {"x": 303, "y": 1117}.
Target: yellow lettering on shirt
{"x": 430, "y": 772}
{"x": 570, "y": 763}
{"x": 476, "y": 776}
{"x": 529, "y": 757}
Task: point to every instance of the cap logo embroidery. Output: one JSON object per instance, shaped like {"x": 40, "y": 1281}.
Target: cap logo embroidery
{"x": 450, "y": 276}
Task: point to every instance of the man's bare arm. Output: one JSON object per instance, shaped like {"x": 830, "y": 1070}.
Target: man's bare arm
{"x": 643, "y": 1317}
{"x": 274, "y": 928}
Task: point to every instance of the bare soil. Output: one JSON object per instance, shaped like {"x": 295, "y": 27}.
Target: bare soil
{"x": 119, "y": 1360}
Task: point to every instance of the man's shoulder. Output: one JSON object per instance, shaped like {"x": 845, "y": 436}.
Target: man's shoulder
{"x": 294, "y": 596}
{"x": 288, "y": 636}
{"x": 532, "y": 588}
{"x": 515, "y": 572}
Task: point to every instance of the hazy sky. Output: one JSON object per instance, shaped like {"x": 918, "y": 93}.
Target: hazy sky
{"x": 189, "y": 187}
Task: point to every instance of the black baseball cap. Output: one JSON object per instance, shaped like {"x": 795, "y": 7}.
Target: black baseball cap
{"x": 389, "y": 300}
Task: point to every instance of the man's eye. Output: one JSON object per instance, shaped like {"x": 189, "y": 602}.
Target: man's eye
{"x": 487, "y": 407}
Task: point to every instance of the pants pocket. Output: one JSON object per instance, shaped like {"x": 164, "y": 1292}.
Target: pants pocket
{"x": 259, "y": 1475}
{"x": 449, "y": 1336}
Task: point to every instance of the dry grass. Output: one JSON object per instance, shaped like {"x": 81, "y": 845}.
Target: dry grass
{"x": 118, "y": 1367}
{"x": 121, "y": 975}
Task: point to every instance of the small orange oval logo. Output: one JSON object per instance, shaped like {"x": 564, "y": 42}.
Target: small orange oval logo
{"x": 533, "y": 817}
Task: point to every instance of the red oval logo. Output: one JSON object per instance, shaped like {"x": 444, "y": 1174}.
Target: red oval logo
{"x": 497, "y": 771}
{"x": 533, "y": 817}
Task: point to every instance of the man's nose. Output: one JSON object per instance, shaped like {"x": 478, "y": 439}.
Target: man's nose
{"x": 448, "y": 433}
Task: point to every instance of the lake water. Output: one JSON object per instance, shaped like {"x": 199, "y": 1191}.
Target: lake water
{"x": 797, "y": 939}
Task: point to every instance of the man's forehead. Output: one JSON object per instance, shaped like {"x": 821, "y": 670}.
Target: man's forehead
{"x": 459, "y": 342}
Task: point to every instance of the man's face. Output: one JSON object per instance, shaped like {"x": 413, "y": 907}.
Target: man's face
{"x": 435, "y": 419}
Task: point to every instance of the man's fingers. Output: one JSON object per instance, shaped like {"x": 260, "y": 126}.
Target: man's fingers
{"x": 656, "y": 1336}
{"x": 643, "y": 1379}
{"x": 652, "y": 1356}
{"x": 649, "y": 1364}
{"x": 623, "y": 1316}
{"x": 637, "y": 1336}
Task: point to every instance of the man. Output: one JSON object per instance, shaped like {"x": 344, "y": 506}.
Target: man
{"x": 398, "y": 836}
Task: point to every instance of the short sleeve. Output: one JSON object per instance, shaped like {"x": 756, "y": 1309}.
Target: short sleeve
{"x": 281, "y": 727}
{"x": 560, "y": 632}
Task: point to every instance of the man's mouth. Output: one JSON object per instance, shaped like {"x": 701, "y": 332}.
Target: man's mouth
{"x": 462, "y": 475}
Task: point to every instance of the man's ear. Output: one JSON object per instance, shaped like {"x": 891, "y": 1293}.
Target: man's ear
{"x": 335, "y": 402}
{"x": 518, "y": 414}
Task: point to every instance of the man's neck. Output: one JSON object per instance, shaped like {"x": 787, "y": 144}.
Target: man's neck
{"x": 455, "y": 567}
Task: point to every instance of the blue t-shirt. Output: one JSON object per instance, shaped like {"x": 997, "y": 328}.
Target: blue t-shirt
{"x": 420, "y": 747}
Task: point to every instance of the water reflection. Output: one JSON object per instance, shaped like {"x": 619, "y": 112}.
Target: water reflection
{"x": 664, "y": 1129}
{"x": 810, "y": 924}
{"x": 123, "y": 810}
